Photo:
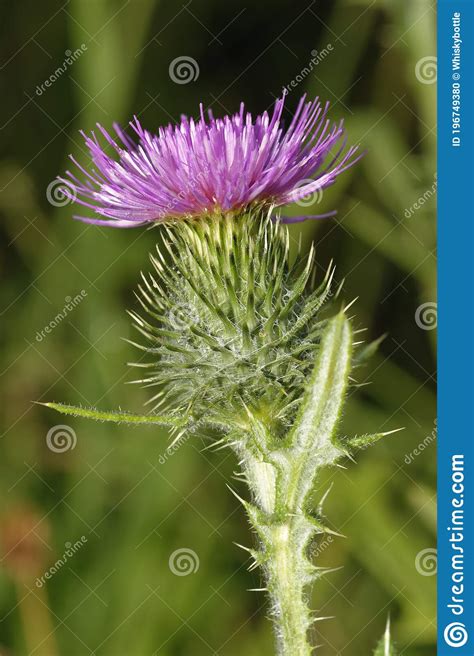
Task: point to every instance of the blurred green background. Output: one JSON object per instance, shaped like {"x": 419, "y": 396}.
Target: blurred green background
{"x": 132, "y": 504}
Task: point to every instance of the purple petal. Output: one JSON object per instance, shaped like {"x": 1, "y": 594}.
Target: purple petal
{"x": 208, "y": 165}
{"x": 300, "y": 219}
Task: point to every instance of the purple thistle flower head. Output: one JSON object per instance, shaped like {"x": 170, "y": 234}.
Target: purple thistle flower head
{"x": 211, "y": 166}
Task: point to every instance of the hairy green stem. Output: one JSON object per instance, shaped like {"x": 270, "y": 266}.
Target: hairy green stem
{"x": 287, "y": 581}
{"x": 281, "y": 476}
{"x": 283, "y": 556}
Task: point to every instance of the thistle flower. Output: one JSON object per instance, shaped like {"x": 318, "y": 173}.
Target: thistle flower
{"x": 239, "y": 344}
{"x": 211, "y": 166}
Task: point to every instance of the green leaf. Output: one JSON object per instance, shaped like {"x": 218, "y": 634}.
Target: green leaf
{"x": 364, "y": 353}
{"x": 326, "y": 388}
{"x": 363, "y": 441}
{"x": 312, "y": 435}
{"x": 116, "y": 417}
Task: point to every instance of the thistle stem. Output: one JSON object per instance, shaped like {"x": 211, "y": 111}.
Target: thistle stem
{"x": 281, "y": 476}
{"x": 286, "y": 582}
{"x": 284, "y": 533}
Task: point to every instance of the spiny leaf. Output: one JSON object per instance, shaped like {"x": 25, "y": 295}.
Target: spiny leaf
{"x": 363, "y": 441}
{"x": 386, "y": 647}
{"x": 312, "y": 434}
{"x": 116, "y": 417}
{"x": 366, "y": 352}
{"x": 326, "y": 388}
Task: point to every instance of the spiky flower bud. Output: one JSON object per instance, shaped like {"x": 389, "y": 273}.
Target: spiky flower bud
{"x": 228, "y": 323}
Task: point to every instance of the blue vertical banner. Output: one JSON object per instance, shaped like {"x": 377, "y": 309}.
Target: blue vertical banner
{"x": 456, "y": 327}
